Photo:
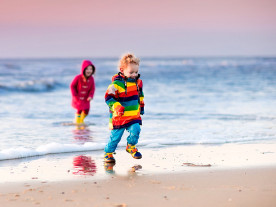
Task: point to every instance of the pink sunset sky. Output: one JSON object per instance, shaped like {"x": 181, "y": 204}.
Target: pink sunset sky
{"x": 82, "y": 28}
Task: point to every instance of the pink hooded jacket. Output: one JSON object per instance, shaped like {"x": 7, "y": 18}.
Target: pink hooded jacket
{"x": 82, "y": 88}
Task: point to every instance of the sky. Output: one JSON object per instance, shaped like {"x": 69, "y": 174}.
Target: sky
{"x": 108, "y": 28}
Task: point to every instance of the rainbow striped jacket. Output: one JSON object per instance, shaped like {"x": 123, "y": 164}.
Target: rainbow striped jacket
{"x": 125, "y": 99}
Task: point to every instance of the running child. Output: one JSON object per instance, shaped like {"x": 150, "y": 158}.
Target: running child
{"x": 125, "y": 99}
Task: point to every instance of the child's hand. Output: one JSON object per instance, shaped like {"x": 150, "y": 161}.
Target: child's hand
{"x": 89, "y": 99}
{"x": 120, "y": 110}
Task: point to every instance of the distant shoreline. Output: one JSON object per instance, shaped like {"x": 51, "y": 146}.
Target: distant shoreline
{"x": 142, "y": 57}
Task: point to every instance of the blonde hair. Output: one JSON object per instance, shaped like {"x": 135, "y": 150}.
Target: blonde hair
{"x": 127, "y": 59}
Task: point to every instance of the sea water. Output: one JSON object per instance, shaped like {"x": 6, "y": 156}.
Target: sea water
{"x": 187, "y": 101}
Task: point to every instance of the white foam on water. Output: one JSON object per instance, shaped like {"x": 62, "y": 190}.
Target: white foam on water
{"x": 51, "y": 148}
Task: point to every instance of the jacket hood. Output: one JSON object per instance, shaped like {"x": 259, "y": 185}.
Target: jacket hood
{"x": 120, "y": 76}
{"x": 85, "y": 64}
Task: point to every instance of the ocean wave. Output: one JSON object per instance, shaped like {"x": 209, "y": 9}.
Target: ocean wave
{"x": 208, "y": 62}
{"x": 11, "y": 66}
{"x": 51, "y": 148}
{"x": 32, "y": 86}
{"x": 58, "y": 148}
{"x": 224, "y": 117}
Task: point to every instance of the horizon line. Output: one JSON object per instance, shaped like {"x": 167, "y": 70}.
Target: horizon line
{"x": 143, "y": 57}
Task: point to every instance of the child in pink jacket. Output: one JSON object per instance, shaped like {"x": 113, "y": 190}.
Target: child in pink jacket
{"x": 82, "y": 89}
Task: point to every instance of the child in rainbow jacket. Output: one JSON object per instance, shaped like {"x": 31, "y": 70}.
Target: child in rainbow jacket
{"x": 125, "y": 99}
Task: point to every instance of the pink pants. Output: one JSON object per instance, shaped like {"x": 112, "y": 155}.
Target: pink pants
{"x": 86, "y": 111}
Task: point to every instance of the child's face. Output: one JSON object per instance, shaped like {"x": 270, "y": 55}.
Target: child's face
{"x": 88, "y": 71}
{"x": 131, "y": 71}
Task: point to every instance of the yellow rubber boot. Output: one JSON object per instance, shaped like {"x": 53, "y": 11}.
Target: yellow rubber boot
{"x": 82, "y": 116}
{"x": 78, "y": 118}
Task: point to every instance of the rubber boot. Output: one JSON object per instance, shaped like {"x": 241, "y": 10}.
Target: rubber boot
{"x": 108, "y": 157}
{"x": 78, "y": 119}
{"x": 82, "y": 116}
{"x": 131, "y": 149}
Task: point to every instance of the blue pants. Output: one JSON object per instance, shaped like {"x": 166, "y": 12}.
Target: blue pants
{"x": 116, "y": 135}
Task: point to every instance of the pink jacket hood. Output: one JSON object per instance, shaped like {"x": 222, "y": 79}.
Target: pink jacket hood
{"x": 85, "y": 64}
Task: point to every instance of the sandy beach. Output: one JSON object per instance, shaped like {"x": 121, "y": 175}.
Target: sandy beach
{"x": 226, "y": 175}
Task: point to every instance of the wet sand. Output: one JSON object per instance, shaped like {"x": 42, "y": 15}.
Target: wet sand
{"x": 247, "y": 187}
{"x": 226, "y": 175}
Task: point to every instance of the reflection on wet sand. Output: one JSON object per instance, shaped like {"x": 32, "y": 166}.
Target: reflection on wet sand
{"x": 108, "y": 167}
{"x": 84, "y": 165}
{"x": 82, "y": 134}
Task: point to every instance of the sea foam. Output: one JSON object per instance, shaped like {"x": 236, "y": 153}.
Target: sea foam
{"x": 51, "y": 148}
